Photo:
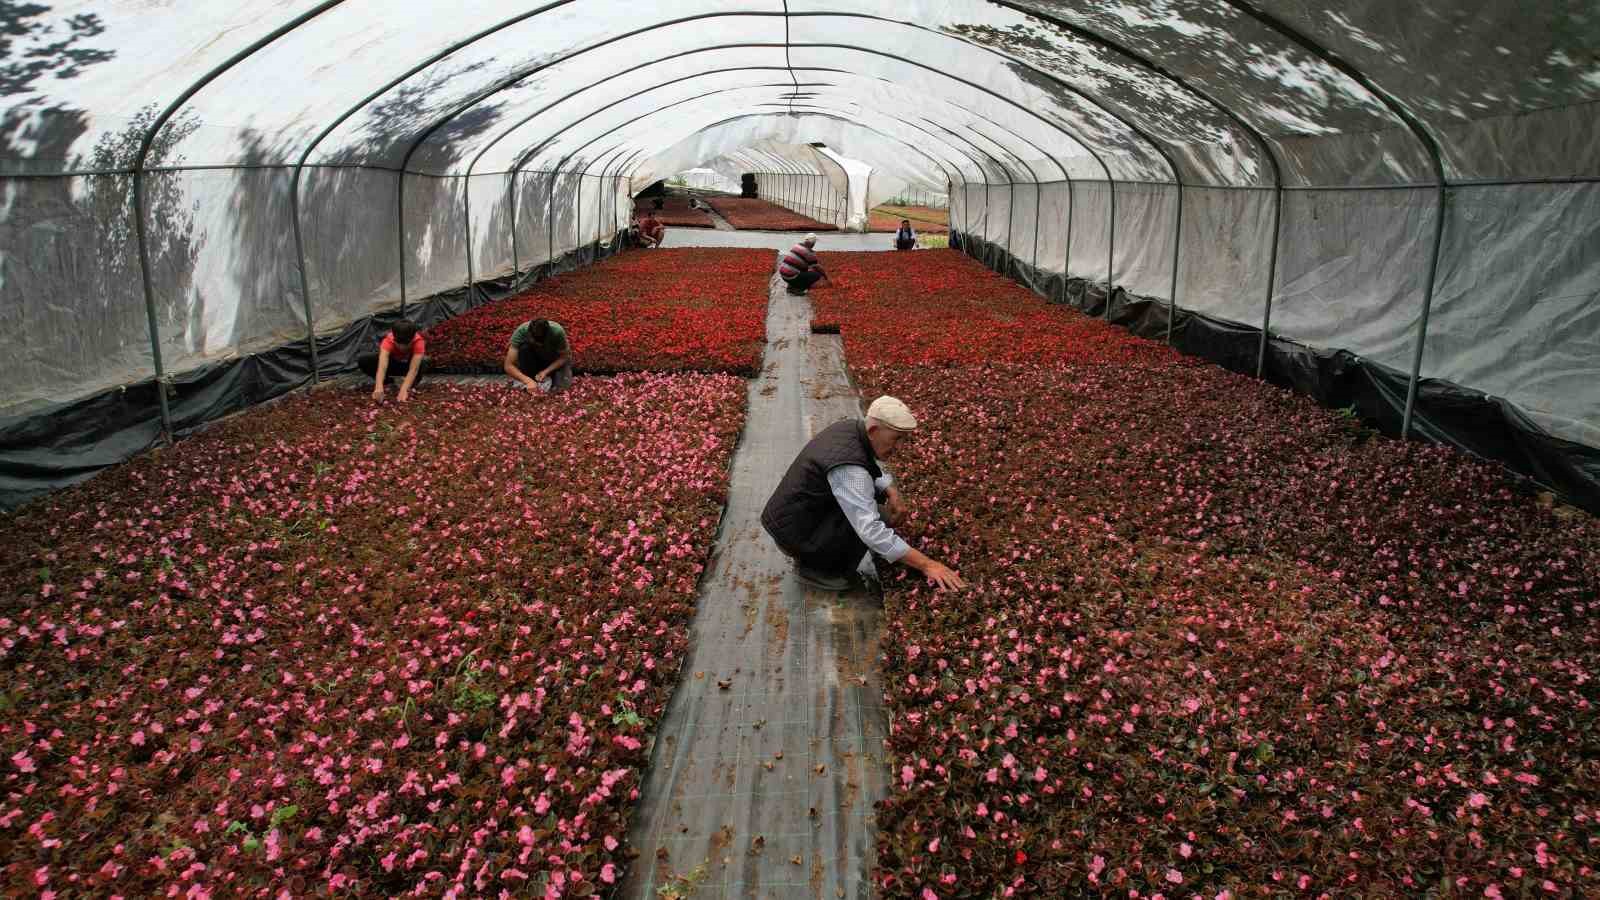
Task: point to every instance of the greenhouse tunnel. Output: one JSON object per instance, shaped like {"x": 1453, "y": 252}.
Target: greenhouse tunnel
{"x": 209, "y": 205}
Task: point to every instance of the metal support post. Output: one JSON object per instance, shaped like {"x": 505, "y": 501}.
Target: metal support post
{"x": 1272, "y": 275}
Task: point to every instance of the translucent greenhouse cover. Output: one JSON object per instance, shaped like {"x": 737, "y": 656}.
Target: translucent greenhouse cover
{"x": 1415, "y": 183}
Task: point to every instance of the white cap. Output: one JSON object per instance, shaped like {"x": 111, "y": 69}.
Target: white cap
{"x": 891, "y": 412}
{"x": 810, "y": 239}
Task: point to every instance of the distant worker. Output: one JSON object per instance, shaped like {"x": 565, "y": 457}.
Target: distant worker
{"x": 906, "y": 237}
{"x": 799, "y": 268}
{"x": 824, "y": 513}
{"x": 400, "y": 355}
{"x": 539, "y": 357}
{"x": 651, "y": 231}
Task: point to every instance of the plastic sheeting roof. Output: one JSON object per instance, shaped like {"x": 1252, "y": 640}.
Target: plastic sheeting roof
{"x": 1331, "y": 172}
{"x": 1206, "y": 92}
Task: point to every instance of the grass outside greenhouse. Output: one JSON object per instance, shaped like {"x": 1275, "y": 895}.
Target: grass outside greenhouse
{"x": 1217, "y": 641}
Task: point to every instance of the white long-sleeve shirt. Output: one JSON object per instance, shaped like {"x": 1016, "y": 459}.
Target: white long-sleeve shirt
{"x": 856, "y": 491}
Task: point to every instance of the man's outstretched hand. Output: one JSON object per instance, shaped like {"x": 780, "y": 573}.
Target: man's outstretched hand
{"x": 943, "y": 576}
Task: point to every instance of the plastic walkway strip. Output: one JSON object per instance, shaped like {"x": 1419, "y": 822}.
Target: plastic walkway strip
{"x": 769, "y": 758}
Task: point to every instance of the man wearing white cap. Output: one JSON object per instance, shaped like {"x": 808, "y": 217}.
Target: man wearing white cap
{"x": 824, "y": 513}
{"x": 799, "y": 268}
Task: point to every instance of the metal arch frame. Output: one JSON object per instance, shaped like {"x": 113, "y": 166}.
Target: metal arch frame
{"x": 511, "y": 81}
{"x": 622, "y": 72}
{"x": 294, "y": 187}
{"x": 1435, "y": 155}
{"x": 1004, "y": 170}
{"x": 1160, "y": 149}
{"x": 1011, "y": 215}
{"x": 1036, "y": 187}
{"x": 562, "y": 164}
{"x": 829, "y": 114}
{"x": 402, "y": 171}
{"x": 1050, "y": 123}
{"x": 527, "y": 155}
{"x": 1070, "y": 88}
{"x": 970, "y": 159}
{"x": 1255, "y": 134}
{"x": 822, "y": 111}
{"x": 146, "y": 142}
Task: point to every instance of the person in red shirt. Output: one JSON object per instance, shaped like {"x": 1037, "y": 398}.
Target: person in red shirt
{"x": 651, "y": 231}
{"x": 400, "y": 355}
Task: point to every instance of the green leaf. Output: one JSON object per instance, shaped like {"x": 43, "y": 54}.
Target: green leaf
{"x": 283, "y": 814}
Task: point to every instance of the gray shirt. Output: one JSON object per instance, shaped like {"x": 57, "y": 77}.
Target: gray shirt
{"x": 855, "y": 489}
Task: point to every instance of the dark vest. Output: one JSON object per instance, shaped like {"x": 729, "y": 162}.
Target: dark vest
{"x": 803, "y": 517}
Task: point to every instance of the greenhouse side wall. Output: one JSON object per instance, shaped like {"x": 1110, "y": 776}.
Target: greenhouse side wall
{"x": 1514, "y": 311}
{"x": 230, "y": 307}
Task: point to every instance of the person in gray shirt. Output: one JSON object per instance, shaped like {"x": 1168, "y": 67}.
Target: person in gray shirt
{"x": 825, "y": 513}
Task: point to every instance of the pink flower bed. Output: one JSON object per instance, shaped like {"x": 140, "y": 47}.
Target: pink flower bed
{"x": 1220, "y": 642}
{"x": 333, "y": 648}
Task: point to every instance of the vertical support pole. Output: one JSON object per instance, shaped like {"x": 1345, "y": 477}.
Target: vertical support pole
{"x": 1177, "y": 245}
{"x": 1111, "y": 245}
{"x": 1066, "y": 252}
{"x": 599, "y": 208}
{"x": 466, "y": 222}
{"x": 511, "y": 196}
{"x": 400, "y": 234}
{"x": 305, "y": 281}
{"x": 1427, "y": 305}
{"x": 551, "y": 209}
{"x": 150, "y": 297}
{"x": 577, "y": 211}
{"x": 1272, "y": 276}
{"x": 1011, "y": 215}
{"x": 1038, "y": 205}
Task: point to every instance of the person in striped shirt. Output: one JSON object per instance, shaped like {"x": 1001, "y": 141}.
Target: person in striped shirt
{"x": 799, "y": 268}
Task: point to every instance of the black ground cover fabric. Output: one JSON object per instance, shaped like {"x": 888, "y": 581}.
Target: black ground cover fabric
{"x": 1485, "y": 426}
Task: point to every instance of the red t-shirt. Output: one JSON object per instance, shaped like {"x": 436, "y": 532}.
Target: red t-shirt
{"x": 403, "y": 354}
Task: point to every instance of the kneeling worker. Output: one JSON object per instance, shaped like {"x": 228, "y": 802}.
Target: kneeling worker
{"x": 799, "y": 268}
{"x": 824, "y": 513}
{"x": 400, "y": 355}
{"x": 539, "y": 356}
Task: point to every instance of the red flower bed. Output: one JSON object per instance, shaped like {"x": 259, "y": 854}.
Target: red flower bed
{"x": 1217, "y": 641}
{"x": 761, "y": 215}
{"x": 691, "y": 309}
{"x": 332, "y": 648}
{"x": 674, "y": 211}
{"x": 940, "y": 307}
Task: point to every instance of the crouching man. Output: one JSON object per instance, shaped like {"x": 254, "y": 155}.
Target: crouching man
{"x": 825, "y": 514}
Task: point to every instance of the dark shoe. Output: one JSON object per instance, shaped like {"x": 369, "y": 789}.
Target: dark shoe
{"x": 794, "y": 293}
{"x": 821, "y": 580}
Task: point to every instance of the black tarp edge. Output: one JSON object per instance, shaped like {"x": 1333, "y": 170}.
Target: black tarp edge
{"x": 49, "y": 449}
{"x": 1488, "y": 427}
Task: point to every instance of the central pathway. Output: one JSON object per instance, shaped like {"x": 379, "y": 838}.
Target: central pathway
{"x": 769, "y": 757}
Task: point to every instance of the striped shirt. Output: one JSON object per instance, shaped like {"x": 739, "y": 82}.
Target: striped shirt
{"x": 797, "y": 260}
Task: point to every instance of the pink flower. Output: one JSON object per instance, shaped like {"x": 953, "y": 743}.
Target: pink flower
{"x": 608, "y": 873}
{"x": 1174, "y": 876}
{"x": 1477, "y": 800}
